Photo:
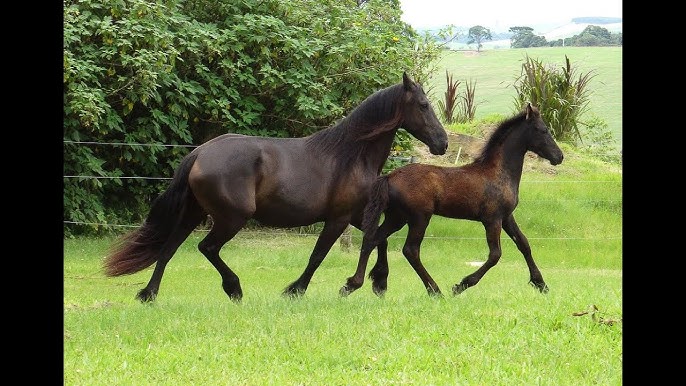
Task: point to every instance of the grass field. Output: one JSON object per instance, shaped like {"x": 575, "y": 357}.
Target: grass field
{"x": 494, "y": 72}
{"x": 499, "y": 332}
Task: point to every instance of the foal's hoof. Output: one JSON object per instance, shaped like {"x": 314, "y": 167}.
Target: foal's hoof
{"x": 146, "y": 296}
{"x": 345, "y": 291}
{"x": 540, "y": 286}
{"x": 459, "y": 288}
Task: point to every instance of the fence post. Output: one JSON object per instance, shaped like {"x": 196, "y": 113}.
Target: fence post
{"x": 346, "y": 239}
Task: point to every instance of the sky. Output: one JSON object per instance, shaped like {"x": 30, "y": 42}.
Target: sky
{"x": 500, "y": 15}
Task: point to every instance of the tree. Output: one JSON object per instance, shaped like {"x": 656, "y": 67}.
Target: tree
{"x": 524, "y": 37}
{"x": 478, "y": 34}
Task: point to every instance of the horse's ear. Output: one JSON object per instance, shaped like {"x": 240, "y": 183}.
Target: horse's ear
{"x": 529, "y": 111}
{"x": 407, "y": 82}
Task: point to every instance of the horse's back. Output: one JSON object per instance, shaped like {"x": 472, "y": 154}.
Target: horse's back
{"x": 456, "y": 192}
{"x": 277, "y": 181}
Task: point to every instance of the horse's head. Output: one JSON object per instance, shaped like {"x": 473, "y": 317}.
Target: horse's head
{"x": 419, "y": 119}
{"x": 541, "y": 140}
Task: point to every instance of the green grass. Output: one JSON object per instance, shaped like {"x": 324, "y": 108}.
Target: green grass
{"x": 499, "y": 332}
{"x": 495, "y": 71}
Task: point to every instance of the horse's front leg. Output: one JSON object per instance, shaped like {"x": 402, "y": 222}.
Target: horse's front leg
{"x": 512, "y": 229}
{"x": 331, "y": 232}
{"x": 493, "y": 239}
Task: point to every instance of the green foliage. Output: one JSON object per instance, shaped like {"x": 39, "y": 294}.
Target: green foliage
{"x": 468, "y": 102}
{"x": 561, "y": 95}
{"x": 598, "y": 140}
{"x": 448, "y": 104}
{"x": 182, "y": 72}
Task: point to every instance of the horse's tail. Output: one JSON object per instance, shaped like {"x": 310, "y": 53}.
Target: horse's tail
{"x": 141, "y": 248}
{"x": 378, "y": 202}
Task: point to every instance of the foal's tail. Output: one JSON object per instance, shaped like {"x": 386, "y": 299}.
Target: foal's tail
{"x": 141, "y": 248}
{"x": 378, "y": 202}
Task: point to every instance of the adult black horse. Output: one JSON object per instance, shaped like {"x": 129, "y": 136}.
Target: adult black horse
{"x": 280, "y": 182}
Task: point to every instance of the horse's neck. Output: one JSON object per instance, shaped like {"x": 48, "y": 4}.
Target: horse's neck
{"x": 508, "y": 162}
{"x": 378, "y": 149}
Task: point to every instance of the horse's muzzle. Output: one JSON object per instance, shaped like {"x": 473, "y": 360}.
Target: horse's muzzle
{"x": 439, "y": 149}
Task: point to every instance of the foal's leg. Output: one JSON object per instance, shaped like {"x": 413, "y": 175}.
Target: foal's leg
{"x": 331, "y": 232}
{"x": 191, "y": 216}
{"x": 493, "y": 239}
{"x": 535, "y": 277}
{"x": 379, "y": 273}
{"x": 223, "y": 230}
{"x": 413, "y": 242}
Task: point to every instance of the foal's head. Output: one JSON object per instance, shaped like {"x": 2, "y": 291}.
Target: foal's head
{"x": 540, "y": 140}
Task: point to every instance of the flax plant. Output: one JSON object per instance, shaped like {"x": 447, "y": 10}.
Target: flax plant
{"x": 562, "y": 96}
{"x": 448, "y": 105}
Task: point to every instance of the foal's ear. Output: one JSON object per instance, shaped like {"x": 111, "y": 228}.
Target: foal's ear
{"x": 407, "y": 82}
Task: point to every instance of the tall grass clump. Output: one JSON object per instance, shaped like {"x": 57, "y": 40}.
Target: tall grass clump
{"x": 562, "y": 96}
{"x": 468, "y": 102}
{"x": 449, "y": 103}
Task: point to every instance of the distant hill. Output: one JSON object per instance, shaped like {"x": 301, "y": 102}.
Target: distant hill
{"x": 579, "y": 24}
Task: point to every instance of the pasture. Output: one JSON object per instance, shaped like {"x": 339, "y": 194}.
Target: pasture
{"x": 494, "y": 72}
{"x": 502, "y": 331}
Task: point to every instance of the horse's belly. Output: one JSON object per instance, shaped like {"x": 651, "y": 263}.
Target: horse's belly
{"x": 290, "y": 210}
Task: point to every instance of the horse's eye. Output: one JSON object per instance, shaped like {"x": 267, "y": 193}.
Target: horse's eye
{"x": 424, "y": 105}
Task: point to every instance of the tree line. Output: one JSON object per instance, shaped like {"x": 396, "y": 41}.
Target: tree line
{"x": 523, "y": 37}
{"x": 591, "y": 36}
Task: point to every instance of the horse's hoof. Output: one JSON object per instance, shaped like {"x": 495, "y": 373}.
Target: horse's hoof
{"x": 459, "y": 288}
{"x": 293, "y": 293}
{"x": 379, "y": 291}
{"x": 146, "y": 296}
{"x": 540, "y": 286}
{"x": 345, "y": 291}
{"x": 435, "y": 293}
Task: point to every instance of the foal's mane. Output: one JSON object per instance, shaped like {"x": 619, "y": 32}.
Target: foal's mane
{"x": 379, "y": 110}
{"x": 499, "y": 134}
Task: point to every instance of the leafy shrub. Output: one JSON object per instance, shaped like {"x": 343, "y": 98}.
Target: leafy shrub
{"x": 181, "y": 72}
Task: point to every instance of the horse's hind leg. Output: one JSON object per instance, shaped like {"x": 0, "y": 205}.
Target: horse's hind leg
{"x": 190, "y": 218}
{"x": 331, "y": 232}
{"x": 493, "y": 240}
{"x": 223, "y": 230}
{"x": 535, "y": 277}
{"x": 411, "y": 250}
{"x": 379, "y": 272}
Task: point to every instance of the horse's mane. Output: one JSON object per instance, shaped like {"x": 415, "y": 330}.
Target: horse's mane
{"x": 378, "y": 113}
{"x": 499, "y": 135}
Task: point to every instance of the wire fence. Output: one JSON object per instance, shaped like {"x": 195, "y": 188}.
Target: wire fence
{"x": 271, "y": 231}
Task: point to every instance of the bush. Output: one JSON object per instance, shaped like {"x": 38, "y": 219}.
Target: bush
{"x": 182, "y": 72}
